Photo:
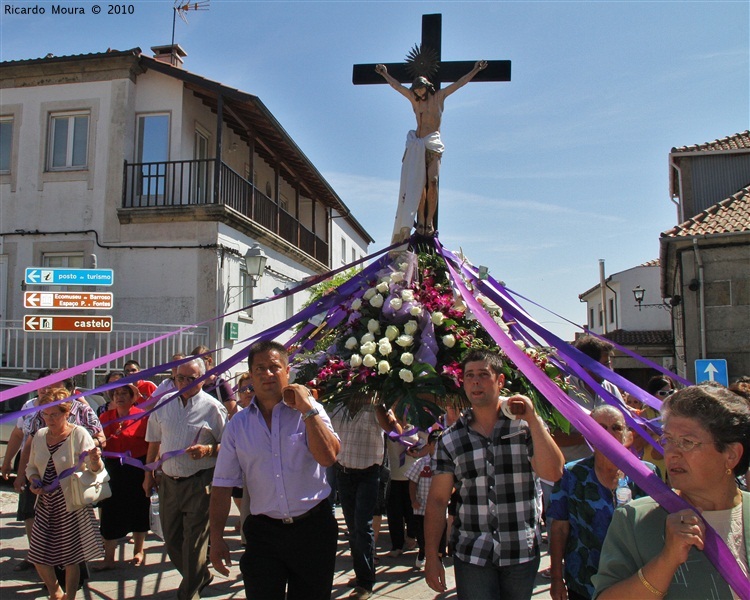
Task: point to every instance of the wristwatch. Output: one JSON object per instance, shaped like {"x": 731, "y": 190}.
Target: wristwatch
{"x": 310, "y": 413}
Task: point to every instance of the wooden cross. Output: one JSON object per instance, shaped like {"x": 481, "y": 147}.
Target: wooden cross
{"x": 497, "y": 70}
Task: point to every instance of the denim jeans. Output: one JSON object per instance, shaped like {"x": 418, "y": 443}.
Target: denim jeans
{"x": 515, "y": 582}
{"x": 358, "y": 493}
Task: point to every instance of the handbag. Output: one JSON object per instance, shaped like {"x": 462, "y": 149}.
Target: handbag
{"x": 87, "y": 488}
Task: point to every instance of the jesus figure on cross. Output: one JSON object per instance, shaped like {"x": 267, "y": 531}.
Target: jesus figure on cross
{"x": 420, "y": 168}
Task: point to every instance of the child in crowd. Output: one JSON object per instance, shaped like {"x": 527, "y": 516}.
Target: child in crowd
{"x": 420, "y": 477}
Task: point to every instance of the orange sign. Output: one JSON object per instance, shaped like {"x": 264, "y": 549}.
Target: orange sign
{"x": 69, "y": 300}
{"x": 67, "y": 323}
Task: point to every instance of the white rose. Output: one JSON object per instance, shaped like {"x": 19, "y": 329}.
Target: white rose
{"x": 397, "y": 277}
{"x": 369, "y": 293}
{"x": 385, "y": 349}
{"x": 403, "y": 266}
{"x": 373, "y": 326}
{"x": 520, "y": 344}
{"x": 404, "y": 340}
{"x": 407, "y": 358}
{"x": 391, "y": 332}
{"x": 376, "y": 301}
{"x": 369, "y": 361}
{"x": 368, "y": 337}
{"x": 396, "y": 303}
{"x": 406, "y": 375}
{"x": 437, "y": 318}
{"x": 411, "y": 327}
{"x": 355, "y": 360}
{"x": 415, "y": 311}
{"x": 383, "y": 367}
{"x": 368, "y": 348}
{"x": 449, "y": 340}
{"x": 383, "y": 287}
{"x": 407, "y": 295}
{"x": 357, "y": 304}
{"x": 351, "y": 343}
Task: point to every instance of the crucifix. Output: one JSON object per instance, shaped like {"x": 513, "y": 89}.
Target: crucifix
{"x": 421, "y": 163}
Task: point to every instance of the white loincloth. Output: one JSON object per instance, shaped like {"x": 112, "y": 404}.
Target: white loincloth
{"x": 413, "y": 178}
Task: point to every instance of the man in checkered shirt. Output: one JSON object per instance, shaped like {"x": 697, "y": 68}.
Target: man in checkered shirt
{"x": 493, "y": 461}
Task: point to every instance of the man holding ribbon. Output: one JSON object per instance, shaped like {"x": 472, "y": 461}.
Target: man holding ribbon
{"x": 279, "y": 447}
{"x": 186, "y": 432}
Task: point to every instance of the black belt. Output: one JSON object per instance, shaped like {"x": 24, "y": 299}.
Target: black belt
{"x": 291, "y": 520}
{"x": 347, "y": 470}
{"x": 198, "y": 474}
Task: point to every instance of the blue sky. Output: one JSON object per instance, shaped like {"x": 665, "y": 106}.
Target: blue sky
{"x": 542, "y": 176}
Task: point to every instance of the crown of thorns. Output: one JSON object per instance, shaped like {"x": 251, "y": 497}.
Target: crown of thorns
{"x": 422, "y": 61}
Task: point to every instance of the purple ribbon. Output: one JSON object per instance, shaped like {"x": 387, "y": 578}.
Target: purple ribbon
{"x": 715, "y": 548}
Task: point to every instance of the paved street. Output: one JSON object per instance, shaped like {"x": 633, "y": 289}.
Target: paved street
{"x": 158, "y": 580}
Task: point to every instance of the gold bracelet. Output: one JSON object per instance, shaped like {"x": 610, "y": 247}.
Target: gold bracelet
{"x": 648, "y": 586}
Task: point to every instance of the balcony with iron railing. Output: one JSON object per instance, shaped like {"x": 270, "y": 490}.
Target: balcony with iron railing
{"x": 188, "y": 183}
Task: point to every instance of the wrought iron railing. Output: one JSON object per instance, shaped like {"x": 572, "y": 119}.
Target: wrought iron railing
{"x": 191, "y": 182}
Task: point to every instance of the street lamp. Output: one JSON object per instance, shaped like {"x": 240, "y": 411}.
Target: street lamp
{"x": 255, "y": 263}
{"x": 638, "y": 294}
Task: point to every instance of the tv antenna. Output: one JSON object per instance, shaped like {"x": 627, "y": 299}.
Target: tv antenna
{"x": 180, "y": 8}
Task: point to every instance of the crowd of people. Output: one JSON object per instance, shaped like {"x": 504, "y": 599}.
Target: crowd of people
{"x": 480, "y": 487}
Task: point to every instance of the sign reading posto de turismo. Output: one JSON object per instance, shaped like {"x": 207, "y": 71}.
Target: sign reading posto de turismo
{"x": 58, "y": 276}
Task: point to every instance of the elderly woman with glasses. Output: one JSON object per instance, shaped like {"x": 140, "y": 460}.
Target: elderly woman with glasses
{"x": 581, "y": 509}
{"x": 649, "y": 553}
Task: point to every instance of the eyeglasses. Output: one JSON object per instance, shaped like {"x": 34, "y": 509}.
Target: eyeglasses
{"x": 664, "y": 393}
{"x": 184, "y": 378}
{"x": 54, "y": 415}
{"x": 682, "y": 444}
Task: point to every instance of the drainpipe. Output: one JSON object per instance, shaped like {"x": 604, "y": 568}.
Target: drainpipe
{"x": 603, "y": 293}
{"x": 701, "y": 297}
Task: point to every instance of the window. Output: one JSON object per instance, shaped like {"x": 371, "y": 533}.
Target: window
{"x": 343, "y": 251}
{"x": 60, "y": 260}
{"x": 601, "y": 315}
{"x": 153, "y": 150}
{"x": 6, "y": 143}
{"x": 611, "y": 310}
{"x": 354, "y": 254}
{"x": 591, "y": 317}
{"x": 68, "y": 141}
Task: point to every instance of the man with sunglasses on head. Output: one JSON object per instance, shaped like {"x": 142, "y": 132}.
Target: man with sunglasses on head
{"x": 581, "y": 507}
{"x": 193, "y": 421}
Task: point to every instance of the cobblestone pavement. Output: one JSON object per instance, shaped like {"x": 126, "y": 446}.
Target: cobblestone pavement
{"x": 396, "y": 577}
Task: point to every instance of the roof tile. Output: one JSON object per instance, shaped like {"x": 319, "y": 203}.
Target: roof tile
{"x": 737, "y": 141}
{"x": 728, "y": 216}
{"x": 641, "y": 338}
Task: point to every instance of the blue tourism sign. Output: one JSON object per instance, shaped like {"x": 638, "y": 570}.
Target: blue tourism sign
{"x": 711, "y": 369}
{"x": 57, "y": 276}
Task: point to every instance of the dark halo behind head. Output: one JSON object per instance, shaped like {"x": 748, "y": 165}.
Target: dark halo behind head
{"x": 493, "y": 359}
{"x": 722, "y": 413}
{"x": 266, "y": 346}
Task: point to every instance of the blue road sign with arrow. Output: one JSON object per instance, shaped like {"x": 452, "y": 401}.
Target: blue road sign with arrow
{"x": 711, "y": 369}
{"x": 49, "y": 276}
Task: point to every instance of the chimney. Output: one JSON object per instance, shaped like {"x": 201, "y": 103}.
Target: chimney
{"x": 171, "y": 54}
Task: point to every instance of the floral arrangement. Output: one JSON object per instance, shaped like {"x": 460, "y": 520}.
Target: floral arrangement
{"x": 403, "y": 338}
